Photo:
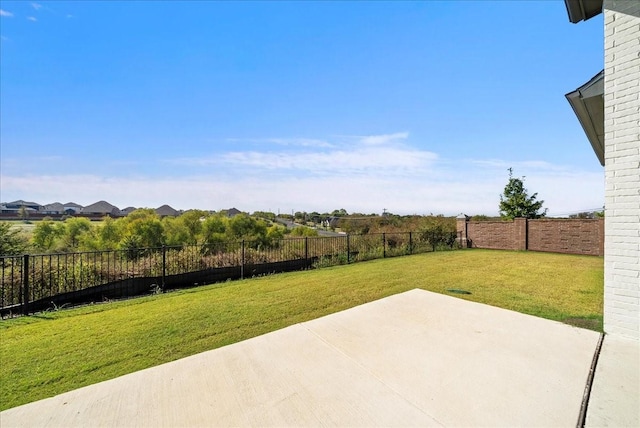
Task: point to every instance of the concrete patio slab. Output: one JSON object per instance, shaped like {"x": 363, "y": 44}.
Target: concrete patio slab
{"x": 615, "y": 393}
{"x": 412, "y": 359}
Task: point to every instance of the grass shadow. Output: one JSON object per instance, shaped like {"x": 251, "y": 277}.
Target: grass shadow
{"x": 585, "y": 322}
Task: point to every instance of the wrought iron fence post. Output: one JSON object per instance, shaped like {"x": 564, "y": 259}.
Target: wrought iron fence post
{"x": 384, "y": 245}
{"x": 348, "y": 250}
{"x": 306, "y": 251}
{"x": 25, "y": 285}
{"x": 164, "y": 265}
{"x": 242, "y": 262}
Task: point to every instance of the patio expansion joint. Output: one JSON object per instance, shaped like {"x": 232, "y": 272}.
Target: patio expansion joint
{"x": 587, "y": 390}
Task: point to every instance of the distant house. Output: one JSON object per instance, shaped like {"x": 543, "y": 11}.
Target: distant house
{"x": 330, "y": 222}
{"x": 55, "y": 208}
{"x": 232, "y": 212}
{"x": 126, "y": 211}
{"x": 167, "y": 211}
{"x": 72, "y": 208}
{"x": 15, "y": 206}
{"x": 101, "y": 208}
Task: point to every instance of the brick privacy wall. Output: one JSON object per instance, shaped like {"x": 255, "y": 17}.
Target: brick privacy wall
{"x": 622, "y": 168}
{"x": 497, "y": 235}
{"x": 572, "y": 236}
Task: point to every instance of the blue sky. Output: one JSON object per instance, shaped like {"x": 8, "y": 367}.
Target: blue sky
{"x": 413, "y": 107}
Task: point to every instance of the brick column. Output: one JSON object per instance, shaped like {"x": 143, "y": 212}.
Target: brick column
{"x": 461, "y": 228}
{"x": 520, "y": 231}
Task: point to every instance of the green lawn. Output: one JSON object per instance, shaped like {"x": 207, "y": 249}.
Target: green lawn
{"x": 54, "y": 352}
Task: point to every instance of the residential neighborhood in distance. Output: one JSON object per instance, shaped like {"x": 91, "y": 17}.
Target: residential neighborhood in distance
{"x": 24, "y": 209}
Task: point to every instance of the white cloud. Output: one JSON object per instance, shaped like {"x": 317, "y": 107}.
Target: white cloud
{"x": 293, "y": 142}
{"x": 360, "y": 177}
{"x": 32, "y": 18}
{"x": 301, "y": 142}
{"x": 447, "y": 189}
{"x": 6, "y": 13}
{"x": 36, "y": 6}
{"x": 337, "y": 162}
{"x": 371, "y": 155}
{"x": 376, "y": 140}
{"x": 517, "y": 165}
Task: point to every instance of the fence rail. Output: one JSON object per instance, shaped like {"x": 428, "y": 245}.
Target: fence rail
{"x": 36, "y": 282}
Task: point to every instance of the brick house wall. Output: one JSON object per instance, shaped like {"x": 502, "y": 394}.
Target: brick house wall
{"x": 622, "y": 168}
{"x": 571, "y": 236}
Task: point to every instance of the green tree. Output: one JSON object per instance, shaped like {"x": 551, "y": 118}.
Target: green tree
{"x": 303, "y": 231}
{"x": 315, "y": 217}
{"x": 75, "y": 231}
{"x": 132, "y": 246}
{"x": 109, "y": 234}
{"x": 516, "y": 202}
{"x": 24, "y": 213}
{"x": 265, "y": 215}
{"x": 439, "y": 231}
{"x": 143, "y": 229}
{"x": 214, "y": 229}
{"x": 192, "y": 221}
{"x": 274, "y": 234}
{"x": 356, "y": 226}
{"x": 175, "y": 231}
{"x": 12, "y": 241}
{"x": 243, "y": 226}
{"x": 480, "y": 217}
{"x": 250, "y": 229}
{"x": 45, "y": 234}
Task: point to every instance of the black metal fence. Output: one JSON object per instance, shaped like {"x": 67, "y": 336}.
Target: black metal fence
{"x": 32, "y": 283}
